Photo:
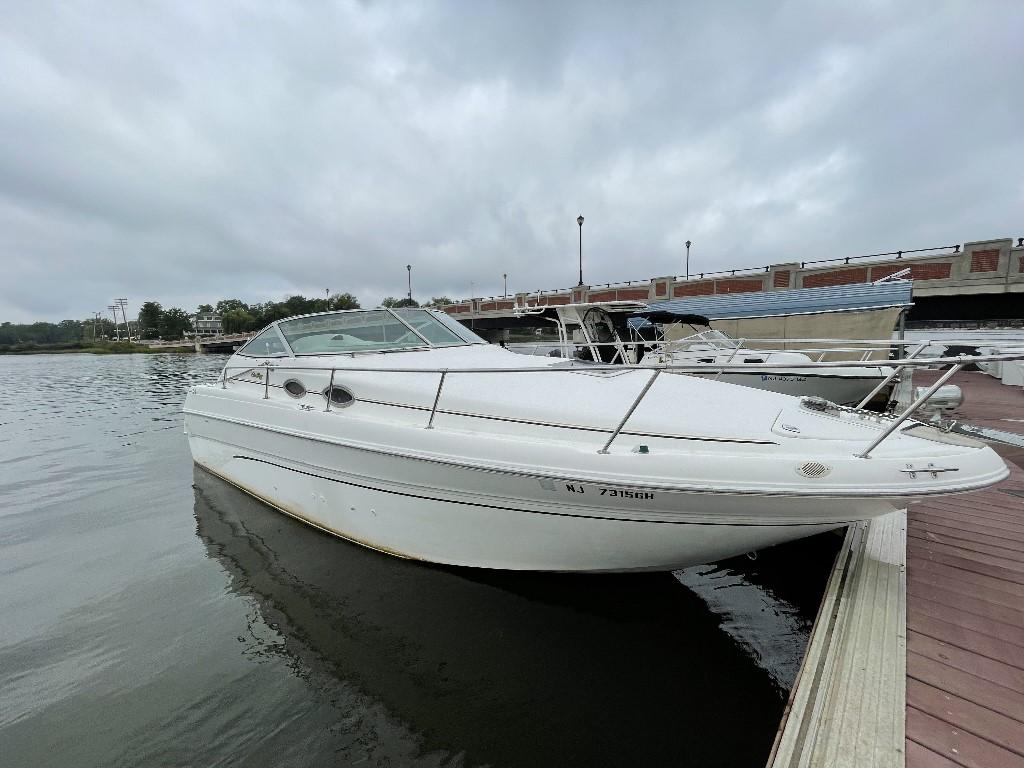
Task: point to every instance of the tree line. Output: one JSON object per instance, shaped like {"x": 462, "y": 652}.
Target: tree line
{"x": 155, "y": 322}
{"x": 238, "y": 317}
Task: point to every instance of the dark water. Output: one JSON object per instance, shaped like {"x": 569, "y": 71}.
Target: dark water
{"x": 150, "y": 614}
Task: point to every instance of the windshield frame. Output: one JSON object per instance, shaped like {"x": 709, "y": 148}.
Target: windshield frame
{"x": 424, "y": 345}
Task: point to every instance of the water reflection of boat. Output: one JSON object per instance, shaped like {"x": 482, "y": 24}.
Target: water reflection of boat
{"x": 503, "y": 669}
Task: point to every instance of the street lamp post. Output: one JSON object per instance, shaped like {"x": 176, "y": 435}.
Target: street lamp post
{"x": 504, "y": 277}
{"x": 579, "y": 221}
{"x": 688, "y": 259}
{"x": 409, "y": 268}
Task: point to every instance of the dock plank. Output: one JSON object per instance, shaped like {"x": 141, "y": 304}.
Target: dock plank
{"x": 968, "y": 561}
{"x": 986, "y": 603}
{"x": 847, "y": 707}
{"x": 993, "y": 536}
{"x": 966, "y": 715}
{"x": 970, "y": 621}
{"x": 990, "y": 508}
{"x": 967, "y": 661}
{"x": 967, "y": 686}
{"x": 967, "y": 639}
{"x": 934, "y": 572}
{"x": 965, "y": 611}
{"x": 956, "y": 520}
{"x": 922, "y": 757}
{"x": 1001, "y": 551}
{"x": 957, "y": 744}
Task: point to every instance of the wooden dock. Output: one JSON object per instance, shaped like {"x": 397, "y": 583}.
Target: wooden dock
{"x": 917, "y": 655}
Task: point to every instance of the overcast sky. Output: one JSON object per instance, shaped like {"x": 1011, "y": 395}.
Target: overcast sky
{"x": 191, "y": 151}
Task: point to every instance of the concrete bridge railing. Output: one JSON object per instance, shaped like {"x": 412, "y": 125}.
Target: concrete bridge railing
{"x": 979, "y": 267}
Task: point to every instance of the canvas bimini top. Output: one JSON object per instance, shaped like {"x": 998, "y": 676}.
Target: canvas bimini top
{"x": 359, "y": 330}
{"x": 798, "y": 301}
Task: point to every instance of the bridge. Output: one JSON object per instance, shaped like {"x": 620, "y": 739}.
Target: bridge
{"x": 976, "y": 281}
{"x": 223, "y": 344}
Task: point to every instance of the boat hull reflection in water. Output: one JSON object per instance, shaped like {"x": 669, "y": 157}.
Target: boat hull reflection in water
{"x": 493, "y": 668}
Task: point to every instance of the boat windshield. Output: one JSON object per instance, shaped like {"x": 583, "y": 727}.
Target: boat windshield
{"x": 367, "y": 331}
{"x": 437, "y": 328}
{"x": 709, "y": 339}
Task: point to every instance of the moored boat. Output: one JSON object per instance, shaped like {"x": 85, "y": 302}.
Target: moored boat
{"x": 403, "y": 431}
{"x": 630, "y": 333}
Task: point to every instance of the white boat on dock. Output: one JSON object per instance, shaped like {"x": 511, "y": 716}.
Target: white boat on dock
{"x": 630, "y": 333}
{"x": 403, "y": 431}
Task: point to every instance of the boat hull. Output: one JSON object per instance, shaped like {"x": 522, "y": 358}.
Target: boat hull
{"x": 413, "y": 509}
{"x": 844, "y": 390}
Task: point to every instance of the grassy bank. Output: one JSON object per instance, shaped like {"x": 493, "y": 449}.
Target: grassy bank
{"x": 111, "y": 348}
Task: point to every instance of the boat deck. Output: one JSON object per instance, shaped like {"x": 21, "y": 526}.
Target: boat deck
{"x": 959, "y": 583}
{"x": 965, "y": 607}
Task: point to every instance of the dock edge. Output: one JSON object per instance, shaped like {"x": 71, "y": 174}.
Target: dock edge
{"x": 848, "y": 704}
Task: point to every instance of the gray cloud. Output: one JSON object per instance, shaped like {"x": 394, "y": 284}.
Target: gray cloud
{"x": 189, "y": 152}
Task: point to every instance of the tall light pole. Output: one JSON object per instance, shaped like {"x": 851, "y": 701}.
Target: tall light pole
{"x": 579, "y": 220}
{"x": 504, "y": 277}
{"x": 688, "y": 244}
{"x": 409, "y": 269}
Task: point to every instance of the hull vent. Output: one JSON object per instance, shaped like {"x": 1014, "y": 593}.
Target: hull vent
{"x": 813, "y": 469}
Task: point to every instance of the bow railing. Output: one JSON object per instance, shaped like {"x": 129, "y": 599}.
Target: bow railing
{"x": 891, "y": 421}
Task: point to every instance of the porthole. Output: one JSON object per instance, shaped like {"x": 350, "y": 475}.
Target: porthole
{"x": 340, "y": 396}
{"x": 294, "y": 388}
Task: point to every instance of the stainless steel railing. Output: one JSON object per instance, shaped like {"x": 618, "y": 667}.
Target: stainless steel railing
{"x": 956, "y": 363}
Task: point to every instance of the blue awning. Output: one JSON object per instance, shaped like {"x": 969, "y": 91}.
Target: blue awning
{"x": 799, "y": 301}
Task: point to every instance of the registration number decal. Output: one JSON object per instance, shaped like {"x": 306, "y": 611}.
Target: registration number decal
{"x": 612, "y": 493}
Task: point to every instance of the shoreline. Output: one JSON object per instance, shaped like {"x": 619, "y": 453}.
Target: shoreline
{"x": 122, "y": 349}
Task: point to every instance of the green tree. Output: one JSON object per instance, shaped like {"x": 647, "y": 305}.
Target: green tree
{"x": 226, "y": 305}
{"x": 204, "y": 308}
{"x": 441, "y": 301}
{"x": 149, "y": 319}
{"x": 174, "y": 322}
{"x": 342, "y": 301}
{"x": 392, "y": 302}
{"x": 70, "y": 330}
{"x": 238, "y": 321}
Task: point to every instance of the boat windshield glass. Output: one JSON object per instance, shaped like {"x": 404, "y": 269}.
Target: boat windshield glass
{"x": 457, "y": 328}
{"x": 370, "y": 331}
{"x": 711, "y": 338}
{"x": 266, "y": 344}
{"x": 434, "y": 328}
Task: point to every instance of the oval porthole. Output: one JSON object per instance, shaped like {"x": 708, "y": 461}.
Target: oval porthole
{"x": 340, "y": 396}
{"x": 294, "y": 388}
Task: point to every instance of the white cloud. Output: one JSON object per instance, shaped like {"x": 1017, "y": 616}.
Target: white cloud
{"x": 189, "y": 152}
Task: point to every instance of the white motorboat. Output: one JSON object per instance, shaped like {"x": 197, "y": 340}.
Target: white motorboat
{"x": 403, "y": 431}
{"x": 846, "y": 385}
{"x": 628, "y": 332}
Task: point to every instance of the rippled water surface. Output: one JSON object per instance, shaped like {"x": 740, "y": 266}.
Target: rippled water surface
{"x": 150, "y": 614}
